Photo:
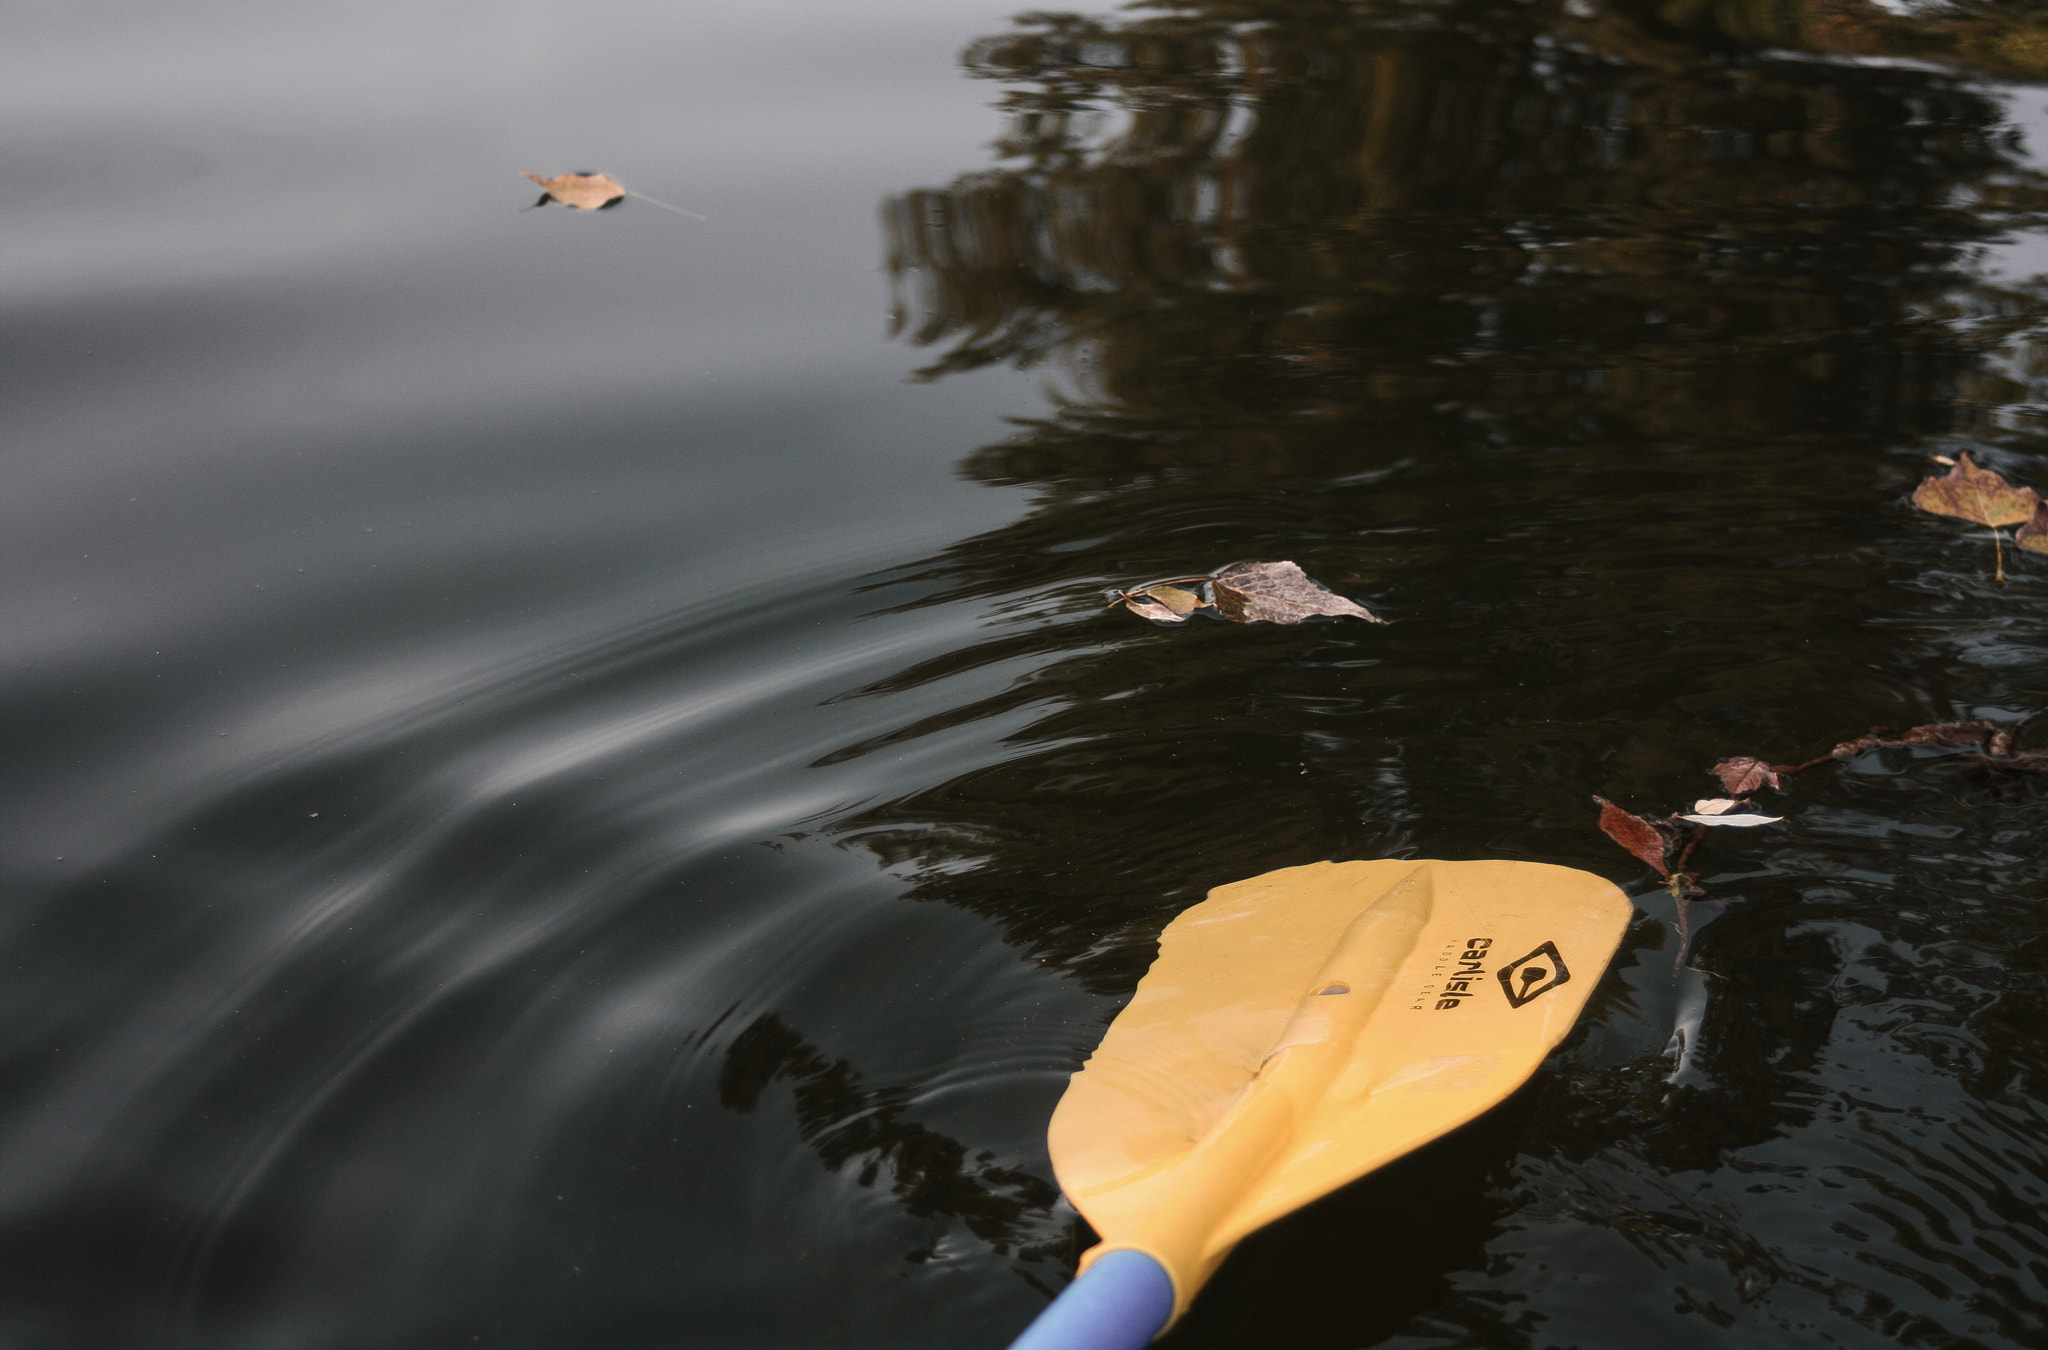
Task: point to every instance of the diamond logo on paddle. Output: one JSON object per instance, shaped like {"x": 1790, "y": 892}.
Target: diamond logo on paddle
{"x": 1532, "y": 976}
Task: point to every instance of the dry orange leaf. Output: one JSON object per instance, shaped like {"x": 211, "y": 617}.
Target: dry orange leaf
{"x": 1982, "y": 496}
{"x": 583, "y": 191}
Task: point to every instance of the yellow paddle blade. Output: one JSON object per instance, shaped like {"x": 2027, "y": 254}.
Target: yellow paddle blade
{"x": 1304, "y": 1027}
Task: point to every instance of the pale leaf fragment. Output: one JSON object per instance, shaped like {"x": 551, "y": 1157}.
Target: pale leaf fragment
{"x": 1717, "y": 806}
{"x": 1737, "y": 820}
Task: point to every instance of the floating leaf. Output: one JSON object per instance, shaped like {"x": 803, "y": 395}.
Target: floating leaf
{"x": 583, "y": 191}
{"x": 1637, "y": 835}
{"x": 1147, "y": 608}
{"x": 1981, "y": 496}
{"x": 1744, "y": 774}
{"x": 595, "y": 192}
{"x": 1964, "y": 736}
{"x": 1160, "y": 601}
{"x": 1717, "y": 806}
{"x": 2033, "y": 536}
{"x": 1737, "y": 819}
{"x": 1174, "y": 598}
{"x": 1978, "y": 495}
{"x": 1279, "y": 592}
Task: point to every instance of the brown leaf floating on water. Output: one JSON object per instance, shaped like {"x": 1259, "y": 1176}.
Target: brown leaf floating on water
{"x": 2033, "y": 536}
{"x": 1743, "y": 775}
{"x": 582, "y": 191}
{"x": 1161, "y": 601}
{"x": 1981, "y": 496}
{"x": 1245, "y": 592}
{"x": 1175, "y": 598}
{"x": 1637, "y": 835}
{"x": 1279, "y": 592}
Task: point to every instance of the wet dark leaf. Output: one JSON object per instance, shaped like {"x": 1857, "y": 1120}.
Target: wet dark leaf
{"x": 1637, "y": 835}
{"x": 1279, "y": 592}
{"x": 1744, "y": 774}
{"x": 1964, "y": 736}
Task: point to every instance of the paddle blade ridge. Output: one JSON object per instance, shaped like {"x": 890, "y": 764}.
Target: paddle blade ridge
{"x": 1304, "y": 1027}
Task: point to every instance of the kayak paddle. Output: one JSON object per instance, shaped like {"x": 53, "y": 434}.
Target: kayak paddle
{"x": 1298, "y": 1030}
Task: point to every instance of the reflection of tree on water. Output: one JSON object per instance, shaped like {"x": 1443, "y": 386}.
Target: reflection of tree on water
{"x": 1290, "y": 260}
{"x": 848, "y": 1122}
{"x": 1347, "y": 215}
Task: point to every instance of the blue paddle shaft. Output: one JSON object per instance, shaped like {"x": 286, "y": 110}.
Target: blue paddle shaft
{"x": 1119, "y": 1303}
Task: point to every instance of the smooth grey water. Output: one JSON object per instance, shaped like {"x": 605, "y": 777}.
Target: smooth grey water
{"x": 557, "y": 795}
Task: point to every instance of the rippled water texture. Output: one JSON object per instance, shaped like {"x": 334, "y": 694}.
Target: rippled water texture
{"x": 567, "y": 781}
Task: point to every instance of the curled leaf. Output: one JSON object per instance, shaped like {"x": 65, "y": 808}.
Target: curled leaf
{"x": 1180, "y": 601}
{"x": 1744, "y": 774}
{"x": 583, "y": 191}
{"x": 1147, "y": 608}
{"x": 1739, "y": 819}
{"x": 1637, "y": 835}
{"x": 1279, "y": 592}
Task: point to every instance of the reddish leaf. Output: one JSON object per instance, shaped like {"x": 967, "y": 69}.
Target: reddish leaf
{"x": 2033, "y": 536}
{"x": 1279, "y": 592}
{"x": 583, "y": 191}
{"x": 1636, "y": 835}
{"x": 1743, "y": 775}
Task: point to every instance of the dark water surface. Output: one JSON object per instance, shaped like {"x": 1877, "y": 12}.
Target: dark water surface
{"x": 555, "y": 797}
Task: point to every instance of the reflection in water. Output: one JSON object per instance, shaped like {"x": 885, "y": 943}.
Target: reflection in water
{"x": 1597, "y": 348}
{"x": 846, "y": 1122}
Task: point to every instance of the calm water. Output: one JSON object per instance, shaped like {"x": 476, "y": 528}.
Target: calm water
{"x": 567, "y": 783}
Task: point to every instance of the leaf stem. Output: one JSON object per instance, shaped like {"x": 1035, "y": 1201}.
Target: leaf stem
{"x": 1998, "y": 551}
{"x": 656, "y": 201}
